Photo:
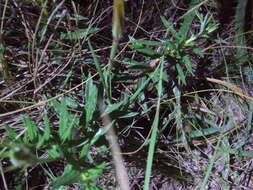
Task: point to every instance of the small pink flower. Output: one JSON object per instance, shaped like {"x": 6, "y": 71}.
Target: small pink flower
{"x": 153, "y": 63}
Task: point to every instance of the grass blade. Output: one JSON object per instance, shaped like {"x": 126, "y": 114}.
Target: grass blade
{"x": 99, "y": 69}
{"x": 154, "y": 131}
{"x": 184, "y": 29}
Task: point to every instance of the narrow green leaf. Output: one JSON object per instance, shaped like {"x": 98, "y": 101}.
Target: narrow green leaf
{"x": 171, "y": 46}
{"x": 188, "y": 64}
{"x": 99, "y": 69}
{"x": 154, "y": 130}
{"x": 67, "y": 78}
{"x": 170, "y": 27}
{"x": 84, "y": 151}
{"x": 185, "y": 27}
{"x": 68, "y": 177}
{"x": 181, "y": 74}
{"x": 32, "y": 130}
{"x": 54, "y": 152}
{"x": 101, "y": 132}
{"x": 129, "y": 115}
{"x": 70, "y": 102}
{"x": 92, "y": 173}
{"x": 131, "y": 62}
{"x": 91, "y": 93}
{"x": 12, "y": 134}
{"x": 198, "y": 133}
{"x": 149, "y": 42}
{"x": 78, "y": 17}
{"x": 56, "y": 105}
{"x": 66, "y": 123}
{"x": 78, "y": 34}
{"x": 46, "y": 134}
{"x": 112, "y": 107}
{"x": 144, "y": 50}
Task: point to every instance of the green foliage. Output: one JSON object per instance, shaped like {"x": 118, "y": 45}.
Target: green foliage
{"x": 57, "y": 145}
{"x": 78, "y": 34}
{"x": 102, "y": 75}
{"x": 154, "y": 128}
{"x": 32, "y": 130}
{"x": 91, "y": 93}
{"x": 46, "y": 136}
{"x": 143, "y": 95}
{"x": 176, "y": 47}
{"x": 71, "y": 176}
{"x": 11, "y": 133}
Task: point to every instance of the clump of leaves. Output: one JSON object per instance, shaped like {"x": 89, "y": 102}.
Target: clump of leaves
{"x": 40, "y": 144}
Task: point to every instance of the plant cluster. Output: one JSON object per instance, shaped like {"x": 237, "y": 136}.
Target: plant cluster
{"x": 169, "y": 97}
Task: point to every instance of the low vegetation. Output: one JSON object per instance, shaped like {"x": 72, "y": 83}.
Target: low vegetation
{"x": 126, "y": 95}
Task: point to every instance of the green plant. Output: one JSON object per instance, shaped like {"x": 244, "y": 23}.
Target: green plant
{"x": 39, "y": 141}
{"x": 148, "y": 96}
{"x": 176, "y": 44}
{"x": 175, "y": 48}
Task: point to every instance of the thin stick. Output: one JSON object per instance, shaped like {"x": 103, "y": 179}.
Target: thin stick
{"x": 3, "y": 177}
{"x": 121, "y": 171}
